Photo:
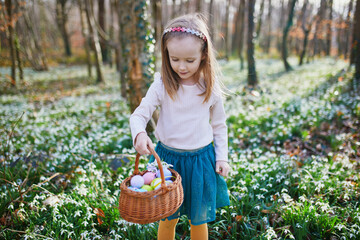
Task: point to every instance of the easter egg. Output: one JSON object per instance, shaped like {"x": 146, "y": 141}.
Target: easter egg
{"x": 167, "y": 173}
{"x": 141, "y": 190}
{"x": 132, "y": 188}
{"x": 148, "y": 177}
{"x": 156, "y": 184}
{"x": 137, "y": 181}
{"x": 147, "y": 188}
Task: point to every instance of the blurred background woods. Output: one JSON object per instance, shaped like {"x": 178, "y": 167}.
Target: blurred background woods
{"x": 124, "y": 34}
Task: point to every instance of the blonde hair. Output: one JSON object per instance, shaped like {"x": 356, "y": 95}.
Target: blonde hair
{"x": 208, "y": 65}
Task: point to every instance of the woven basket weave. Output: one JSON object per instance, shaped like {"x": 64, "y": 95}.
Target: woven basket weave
{"x": 148, "y": 207}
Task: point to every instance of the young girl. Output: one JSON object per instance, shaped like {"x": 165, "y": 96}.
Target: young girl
{"x": 191, "y": 130}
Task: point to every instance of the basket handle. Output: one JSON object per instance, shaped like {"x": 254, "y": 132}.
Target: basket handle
{"x": 136, "y": 171}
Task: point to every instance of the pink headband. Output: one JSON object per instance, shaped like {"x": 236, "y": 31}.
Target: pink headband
{"x": 188, "y": 30}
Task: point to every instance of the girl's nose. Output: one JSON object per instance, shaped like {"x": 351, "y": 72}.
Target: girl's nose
{"x": 182, "y": 66}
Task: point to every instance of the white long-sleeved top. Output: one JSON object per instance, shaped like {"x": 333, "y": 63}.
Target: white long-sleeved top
{"x": 186, "y": 122}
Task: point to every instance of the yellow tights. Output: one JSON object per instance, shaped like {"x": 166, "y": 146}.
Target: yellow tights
{"x": 166, "y": 230}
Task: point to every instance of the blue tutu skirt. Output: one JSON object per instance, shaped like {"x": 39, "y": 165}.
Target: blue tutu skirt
{"x": 204, "y": 189}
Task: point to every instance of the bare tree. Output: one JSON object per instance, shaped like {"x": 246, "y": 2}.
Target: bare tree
{"x": 11, "y": 37}
{"x": 328, "y": 32}
{"x": 252, "y": 79}
{"x": 281, "y": 24}
{"x": 165, "y": 11}
{"x": 61, "y": 20}
{"x": 259, "y": 21}
{"x": 227, "y": 48}
{"x": 356, "y": 41}
{"x": 95, "y": 39}
{"x": 157, "y": 25}
{"x": 102, "y": 25}
{"x": 240, "y": 23}
{"x": 319, "y": 27}
{"x": 85, "y": 33}
{"x": 32, "y": 43}
{"x": 121, "y": 63}
{"x": 306, "y": 27}
{"x": 173, "y": 9}
{"x": 211, "y": 17}
{"x": 268, "y": 39}
{"x": 198, "y": 6}
{"x": 285, "y": 35}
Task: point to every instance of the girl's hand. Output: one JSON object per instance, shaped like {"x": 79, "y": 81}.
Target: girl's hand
{"x": 222, "y": 168}
{"x": 143, "y": 143}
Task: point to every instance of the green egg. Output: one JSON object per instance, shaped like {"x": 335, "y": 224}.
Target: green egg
{"x": 147, "y": 188}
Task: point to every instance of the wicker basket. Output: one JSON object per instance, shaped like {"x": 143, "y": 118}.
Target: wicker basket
{"x": 148, "y": 207}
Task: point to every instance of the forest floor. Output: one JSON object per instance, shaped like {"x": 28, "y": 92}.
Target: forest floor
{"x": 293, "y": 145}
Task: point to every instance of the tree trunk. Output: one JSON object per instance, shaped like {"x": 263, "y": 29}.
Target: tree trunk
{"x": 211, "y": 17}
{"x": 61, "y": 20}
{"x": 227, "y": 49}
{"x": 268, "y": 39}
{"x": 347, "y": 34}
{"x": 347, "y": 31}
{"x": 306, "y": 29}
{"x": 241, "y": 32}
{"x": 34, "y": 52}
{"x": 121, "y": 10}
{"x": 85, "y": 34}
{"x": 112, "y": 30}
{"x": 187, "y": 6}
{"x": 328, "y": 33}
{"x": 281, "y": 25}
{"x": 318, "y": 27}
{"x": 356, "y": 41}
{"x": 173, "y": 9}
{"x": 157, "y": 25}
{"x": 165, "y": 12}
{"x": 18, "y": 58}
{"x": 95, "y": 40}
{"x": 102, "y": 24}
{"x": 252, "y": 79}
{"x": 10, "y": 29}
{"x": 198, "y": 6}
{"x": 285, "y": 35}
{"x": 258, "y": 26}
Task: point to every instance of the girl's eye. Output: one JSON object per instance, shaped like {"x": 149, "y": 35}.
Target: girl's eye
{"x": 174, "y": 60}
{"x": 190, "y": 61}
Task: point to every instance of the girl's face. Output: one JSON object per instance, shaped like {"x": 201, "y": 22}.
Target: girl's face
{"x": 185, "y": 57}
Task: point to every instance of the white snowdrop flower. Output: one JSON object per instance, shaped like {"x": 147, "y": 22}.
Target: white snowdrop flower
{"x": 302, "y": 198}
{"x": 82, "y": 190}
{"x": 257, "y": 207}
{"x": 63, "y": 231}
{"x": 298, "y": 225}
{"x": 339, "y": 227}
{"x": 11, "y": 206}
{"x": 260, "y": 196}
{"x": 84, "y": 234}
{"x": 77, "y": 213}
{"x": 223, "y": 211}
{"x": 85, "y": 223}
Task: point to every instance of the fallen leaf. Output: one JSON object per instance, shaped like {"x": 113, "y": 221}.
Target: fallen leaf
{"x": 239, "y": 218}
{"x": 99, "y": 212}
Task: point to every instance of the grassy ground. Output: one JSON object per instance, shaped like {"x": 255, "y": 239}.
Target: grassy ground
{"x": 294, "y": 147}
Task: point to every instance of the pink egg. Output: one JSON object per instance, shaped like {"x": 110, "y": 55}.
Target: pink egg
{"x": 148, "y": 177}
{"x": 137, "y": 181}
